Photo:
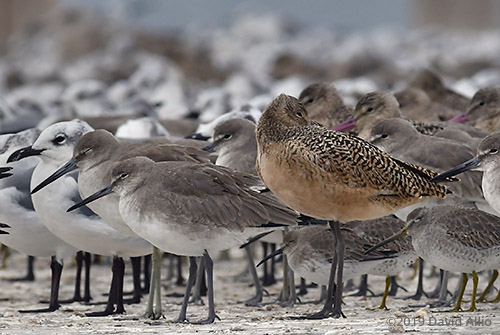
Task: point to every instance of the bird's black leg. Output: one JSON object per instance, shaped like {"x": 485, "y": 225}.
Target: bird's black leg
{"x": 255, "y": 300}
{"x": 30, "y": 275}
{"x": 136, "y": 275}
{"x": 110, "y": 305}
{"x": 56, "y": 269}
{"x": 193, "y": 269}
{"x": 147, "y": 273}
{"x": 87, "y": 259}
{"x": 209, "y": 266}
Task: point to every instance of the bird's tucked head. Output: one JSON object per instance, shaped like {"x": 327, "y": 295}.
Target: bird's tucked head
{"x": 282, "y": 113}
{"x": 483, "y": 103}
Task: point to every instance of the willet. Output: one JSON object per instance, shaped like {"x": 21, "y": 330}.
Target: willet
{"x": 433, "y": 86}
{"x": 456, "y": 239}
{"x": 333, "y": 176}
{"x": 192, "y": 209}
{"x": 82, "y": 229}
{"x": 416, "y": 105}
{"x": 483, "y": 111}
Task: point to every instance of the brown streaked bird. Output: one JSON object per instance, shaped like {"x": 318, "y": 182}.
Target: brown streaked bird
{"x": 324, "y": 104}
{"x": 193, "y": 209}
{"x": 455, "y": 239}
{"x": 333, "y": 176}
{"x": 416, "y": 105}
{"x": 433, "y": 86}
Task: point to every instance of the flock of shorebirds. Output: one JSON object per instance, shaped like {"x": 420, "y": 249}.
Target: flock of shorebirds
{"x": 347, "y": 192}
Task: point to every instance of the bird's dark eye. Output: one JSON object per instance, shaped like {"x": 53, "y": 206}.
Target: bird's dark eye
{"x": 59, "y": 139}
{"x": 493, "y": 151}
{"x": 299, "y": 114}
{"x": 123, "y": 176}
{"x": 369, "y": 110}
{"x": 311, "y": 100}
{"x": 481, "y": 103}
{"x": 384, "y": 135}
{"x": 227, "y": 136}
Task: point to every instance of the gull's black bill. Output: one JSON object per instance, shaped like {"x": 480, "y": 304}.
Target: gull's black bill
{"x": 66, "y": 168}
{"x": 4, "y": 172}
{"x": 4, "y": 225}
{"x": 197, "y": 136}
{"x": 275, "y": 253}
{"x": 93, "y": 197}
{"x": 469, "y": 165}
{"x": 399, "y": 234}
{"x": 23, "y": 153}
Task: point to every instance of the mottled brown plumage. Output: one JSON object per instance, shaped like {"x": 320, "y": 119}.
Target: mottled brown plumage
{"x": 330, "y": 175}
{"x": 324, "y": 104}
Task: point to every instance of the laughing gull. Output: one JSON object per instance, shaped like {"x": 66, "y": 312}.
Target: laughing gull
{"x": 28, "y": 234}
{"x": 82, "y": 229}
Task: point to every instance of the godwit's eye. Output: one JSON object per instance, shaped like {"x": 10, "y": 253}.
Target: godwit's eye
{"x": 311, "y": 100}
{"x": 481, "y": 103}
{"x": 384, "y": 135}
{"x": 369, "y": 110}
{"x": 493, "y": 151}
{"x": 299, "y": 114}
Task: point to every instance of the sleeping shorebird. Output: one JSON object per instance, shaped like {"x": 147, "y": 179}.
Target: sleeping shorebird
{"x": 333, "y": 176}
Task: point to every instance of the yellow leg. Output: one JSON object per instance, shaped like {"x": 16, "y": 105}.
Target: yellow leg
{"x": 458, "y": 306}
{"x": 496, "y": 300}
{"x": 475, "y": 281}
{"x": 386, "y": 292}
{"x": 482, "y": 297}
